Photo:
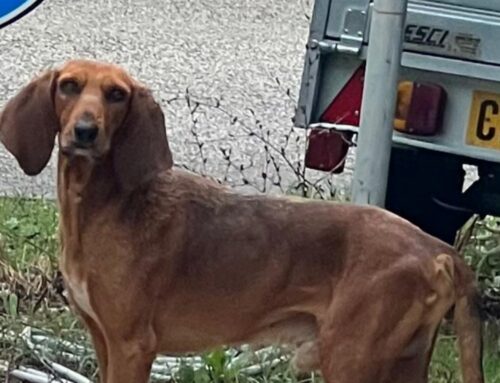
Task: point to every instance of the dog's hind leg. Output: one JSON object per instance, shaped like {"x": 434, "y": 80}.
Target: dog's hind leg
{"x": 413, "y": 365}
{"x": 414, "y": 368}
{"x": 369, "y": 324}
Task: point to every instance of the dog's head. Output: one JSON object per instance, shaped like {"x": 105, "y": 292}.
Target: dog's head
{"x": 97, "y": 110}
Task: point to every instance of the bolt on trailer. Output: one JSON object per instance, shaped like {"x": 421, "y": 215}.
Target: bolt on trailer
{"x": 446, "y": 112}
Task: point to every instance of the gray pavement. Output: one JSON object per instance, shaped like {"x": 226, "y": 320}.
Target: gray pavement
{"x": 226, "y": 49}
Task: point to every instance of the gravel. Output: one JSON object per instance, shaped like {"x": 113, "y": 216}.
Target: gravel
{"x": 249, "y": 53}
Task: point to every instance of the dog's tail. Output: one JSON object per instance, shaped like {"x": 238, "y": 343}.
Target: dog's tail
{"x": 467, "y": 321}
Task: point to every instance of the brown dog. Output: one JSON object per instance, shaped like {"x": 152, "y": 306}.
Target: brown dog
{"x": 157, "y": 260}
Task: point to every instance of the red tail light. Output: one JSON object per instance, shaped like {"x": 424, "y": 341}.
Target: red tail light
{"x": 327, "y": 149}
{"x": 420, "y": 108}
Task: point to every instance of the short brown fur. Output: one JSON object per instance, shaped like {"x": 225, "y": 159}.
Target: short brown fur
{"x": 158, "y": 260}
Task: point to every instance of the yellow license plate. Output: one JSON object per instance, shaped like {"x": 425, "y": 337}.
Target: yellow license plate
{"x": 484, "y": 121}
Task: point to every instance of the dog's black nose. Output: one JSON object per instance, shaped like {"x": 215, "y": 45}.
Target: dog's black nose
{"x": 85, "y": 132}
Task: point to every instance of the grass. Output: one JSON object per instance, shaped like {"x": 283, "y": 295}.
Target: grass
{"x": 31, "y": 296}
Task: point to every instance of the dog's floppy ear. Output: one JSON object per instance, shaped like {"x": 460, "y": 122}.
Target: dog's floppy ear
{"x": 28, "y": 124}
{"x": 140, "y": 146}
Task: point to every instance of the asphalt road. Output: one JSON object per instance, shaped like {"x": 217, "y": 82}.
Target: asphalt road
{"x": 226, "y": 49}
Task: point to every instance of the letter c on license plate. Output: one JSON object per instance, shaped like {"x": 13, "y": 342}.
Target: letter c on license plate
{"x": 484, "y": 121}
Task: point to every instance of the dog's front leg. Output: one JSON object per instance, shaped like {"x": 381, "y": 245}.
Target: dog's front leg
{"x": 130, "y": 358}
{"x": 99, "y": 342}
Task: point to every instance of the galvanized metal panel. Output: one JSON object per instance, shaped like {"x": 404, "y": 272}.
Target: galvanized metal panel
{"x": 452, "y": 28}
{"x": 445, "y": 65}
{"x": 338, "y": 11}
{"x": 310, "y": 73}
{"x": 489, "y": 5}
{"x": 443, "y": 30}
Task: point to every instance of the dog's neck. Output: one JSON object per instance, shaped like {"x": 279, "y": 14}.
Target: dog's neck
{"x": 85, "y": 182}
{"x": 83, "y": 188}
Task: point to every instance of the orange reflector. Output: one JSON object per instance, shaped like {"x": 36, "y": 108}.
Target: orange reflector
{"x": 405, "y": 91}
{"x": 420, "y": 108}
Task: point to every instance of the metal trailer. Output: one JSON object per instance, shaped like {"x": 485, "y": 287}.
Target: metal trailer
{"x": 419, "y": 122}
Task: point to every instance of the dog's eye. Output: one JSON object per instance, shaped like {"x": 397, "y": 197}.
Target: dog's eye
{"x": 116, "y": 94}
{"x": 70, "y": 87}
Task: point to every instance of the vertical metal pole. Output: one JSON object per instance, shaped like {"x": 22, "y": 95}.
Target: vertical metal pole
{"x": 379, "y": 102}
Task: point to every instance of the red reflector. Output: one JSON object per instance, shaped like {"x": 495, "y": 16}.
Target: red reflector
{"x": 345, "y": 108}
{"x": 327, "y": 149}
